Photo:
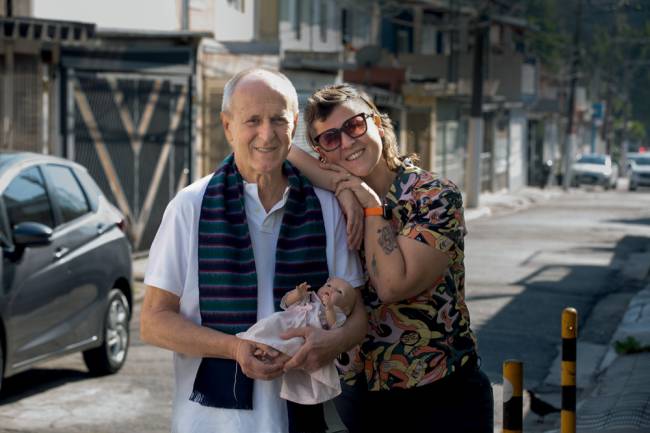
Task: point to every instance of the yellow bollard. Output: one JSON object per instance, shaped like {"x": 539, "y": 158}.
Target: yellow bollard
{"x": 513, "y": 379}
{"x": 569, "y": 349}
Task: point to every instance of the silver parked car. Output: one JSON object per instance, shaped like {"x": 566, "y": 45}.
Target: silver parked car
{"x": 639, "y": 173}
{"x": 594, "y": 169}
{"x": 66, "y": 267}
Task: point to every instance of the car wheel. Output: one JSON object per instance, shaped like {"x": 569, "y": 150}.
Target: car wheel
{"x": 632, "y": 187}
{"x": 111, "y": 355}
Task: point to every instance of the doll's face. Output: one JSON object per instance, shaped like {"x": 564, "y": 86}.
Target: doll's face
{"x": 339, "y": 292}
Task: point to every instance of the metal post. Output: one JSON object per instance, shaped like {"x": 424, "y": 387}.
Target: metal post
{"x": 570, "y": 140}
{"x": 475, "y": 136}
{"x": 568, "y": 378}
{"x": 513, "y": 379}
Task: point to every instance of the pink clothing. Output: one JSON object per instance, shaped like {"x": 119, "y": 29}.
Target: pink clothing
{"x": 298, "y": 385}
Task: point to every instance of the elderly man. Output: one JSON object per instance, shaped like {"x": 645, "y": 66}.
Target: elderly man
{"x": 228, "y": 248}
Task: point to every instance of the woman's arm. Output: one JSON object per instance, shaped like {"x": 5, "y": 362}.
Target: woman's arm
{"x": 322, "y": 178}
{"x": 311, "y": 168}
{"x": 399, "y": 267}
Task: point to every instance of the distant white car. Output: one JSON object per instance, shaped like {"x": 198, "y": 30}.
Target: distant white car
{"x": 639, "y": 173}
{"x": 594, "y": 169}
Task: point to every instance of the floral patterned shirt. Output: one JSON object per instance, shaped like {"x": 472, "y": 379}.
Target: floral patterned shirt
{"x": 427, "y": 337}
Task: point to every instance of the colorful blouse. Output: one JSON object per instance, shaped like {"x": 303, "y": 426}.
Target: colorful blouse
{"x": 425, "y": 338}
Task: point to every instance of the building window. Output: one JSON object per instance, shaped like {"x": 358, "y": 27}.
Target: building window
{"x": 237, "y": 4}
{"x": 403, "y": 41}
{"x": 346, "y": 27}
{"x": 297, "y": 15}
{"x": 322, "y": 20}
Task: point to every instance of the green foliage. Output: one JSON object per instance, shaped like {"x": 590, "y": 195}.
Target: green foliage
{"x": 548, "y": 40}
{"x": 630, "y": 345}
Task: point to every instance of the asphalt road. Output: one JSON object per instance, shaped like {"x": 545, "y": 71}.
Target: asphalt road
{"x": 523, "y": 268}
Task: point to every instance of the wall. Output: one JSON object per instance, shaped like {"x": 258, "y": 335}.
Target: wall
{"x": 232, "y": 23}
{"x": 120, "y": 14}
{"x": 518, "y": 154}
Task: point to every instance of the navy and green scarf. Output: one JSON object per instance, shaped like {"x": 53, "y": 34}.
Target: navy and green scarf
{"x": 227, "y": 276}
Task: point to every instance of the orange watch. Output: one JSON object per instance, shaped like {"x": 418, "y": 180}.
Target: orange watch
{"x": 373, "y": 211}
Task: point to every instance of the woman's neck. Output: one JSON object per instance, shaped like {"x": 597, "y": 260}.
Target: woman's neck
{"x": 380, "y": 179}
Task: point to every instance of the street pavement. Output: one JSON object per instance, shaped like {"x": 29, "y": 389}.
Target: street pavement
{"x": 508, "y": 291}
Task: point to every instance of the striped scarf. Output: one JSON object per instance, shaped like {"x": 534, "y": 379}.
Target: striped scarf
{"x": 227, "y": 276}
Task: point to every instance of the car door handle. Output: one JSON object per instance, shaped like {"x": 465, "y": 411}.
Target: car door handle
{"x": 60, "y": 252}
{"x": 101, "y": 228}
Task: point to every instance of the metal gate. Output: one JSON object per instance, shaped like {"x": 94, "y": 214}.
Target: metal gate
{"x": 132, "y": 132}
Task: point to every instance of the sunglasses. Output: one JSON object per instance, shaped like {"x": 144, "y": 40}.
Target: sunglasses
{"x": 354, "y": 127}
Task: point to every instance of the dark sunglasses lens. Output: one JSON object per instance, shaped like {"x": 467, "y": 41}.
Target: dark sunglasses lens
{"x": 330, "y": 140}
{"x": 355, "y": 127}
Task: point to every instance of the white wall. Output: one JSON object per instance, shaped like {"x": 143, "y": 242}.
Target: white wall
{"x": 518, "y": 143}
{"x": 232, "y": 24}
{"x": 122, "y": 14}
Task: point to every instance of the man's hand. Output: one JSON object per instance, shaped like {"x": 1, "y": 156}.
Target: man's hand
{"x": 320, "y": 348}
{"x": 353, "y": 213}
{"x": 267, "y": 367}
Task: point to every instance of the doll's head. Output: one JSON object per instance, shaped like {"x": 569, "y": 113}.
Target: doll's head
{"x": 338, "y": 292}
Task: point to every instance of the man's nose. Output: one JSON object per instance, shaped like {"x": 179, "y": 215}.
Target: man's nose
{"x": 265, "y": 131}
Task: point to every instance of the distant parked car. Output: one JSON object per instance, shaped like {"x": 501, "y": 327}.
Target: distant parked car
{"x": 630, "y": 158}
{"x": 594, "y": 169}
{"x": 639, "y": 173}
{"x": 66, "y": 267}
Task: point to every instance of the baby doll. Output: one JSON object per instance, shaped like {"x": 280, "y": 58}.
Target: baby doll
{"x": 327, "y": 308}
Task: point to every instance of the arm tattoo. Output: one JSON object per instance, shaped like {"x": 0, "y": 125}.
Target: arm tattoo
{"x": 387, "y": 240}
{"x": 375, "y": 271}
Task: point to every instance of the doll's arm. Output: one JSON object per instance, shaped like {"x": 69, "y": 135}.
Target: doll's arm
{"x": 296, "y": 294}
{"x": 330, "y": 312}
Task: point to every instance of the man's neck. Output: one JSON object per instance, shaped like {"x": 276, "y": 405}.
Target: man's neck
{"x": 270, "y": 187}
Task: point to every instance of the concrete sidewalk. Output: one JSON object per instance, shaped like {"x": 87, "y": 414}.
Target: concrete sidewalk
{"x": 620, "y": 400}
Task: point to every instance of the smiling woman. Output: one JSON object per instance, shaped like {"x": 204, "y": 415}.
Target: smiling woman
{"x": 419, "y": 357}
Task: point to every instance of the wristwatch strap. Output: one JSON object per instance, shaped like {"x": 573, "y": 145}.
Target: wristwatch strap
{"x": 373, "y": 211}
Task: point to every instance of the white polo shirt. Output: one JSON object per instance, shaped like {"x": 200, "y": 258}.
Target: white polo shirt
{"x": 173, "y": 266}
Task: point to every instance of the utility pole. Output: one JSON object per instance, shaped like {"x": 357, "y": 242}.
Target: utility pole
{"x": 475, "y": 136}
{"x": 571, "y": 135}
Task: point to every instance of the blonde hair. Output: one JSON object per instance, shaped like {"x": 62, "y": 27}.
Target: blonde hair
{"x": 321, "y": 104}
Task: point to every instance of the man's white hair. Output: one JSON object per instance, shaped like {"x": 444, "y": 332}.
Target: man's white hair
{"x": 275, "y": 79}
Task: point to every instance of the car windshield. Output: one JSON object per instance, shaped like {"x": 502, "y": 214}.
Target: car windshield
{"x": 642, "y": 161}
{"x": 592, "y": 159}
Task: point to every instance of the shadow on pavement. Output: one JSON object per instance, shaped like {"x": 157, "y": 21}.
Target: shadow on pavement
{"x": 36, "y": 381}
{"x": 528, "y": 328}
{"x": 636, "y": 221}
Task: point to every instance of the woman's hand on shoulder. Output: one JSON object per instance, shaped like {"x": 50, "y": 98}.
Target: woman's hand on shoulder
{"x": 344, "y": 180}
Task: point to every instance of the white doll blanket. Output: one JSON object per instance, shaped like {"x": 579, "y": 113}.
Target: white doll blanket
{"x": 298, "y": 385}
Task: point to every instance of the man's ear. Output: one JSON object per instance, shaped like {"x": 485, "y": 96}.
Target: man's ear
{"x": 295, "y": 125}
{"x": 226, "y": 122}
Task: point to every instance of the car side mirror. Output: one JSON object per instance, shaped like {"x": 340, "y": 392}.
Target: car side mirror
{"x": 30, "y": 234}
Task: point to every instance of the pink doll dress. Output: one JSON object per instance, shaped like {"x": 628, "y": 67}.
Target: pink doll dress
{"x": 298, "y": 385}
